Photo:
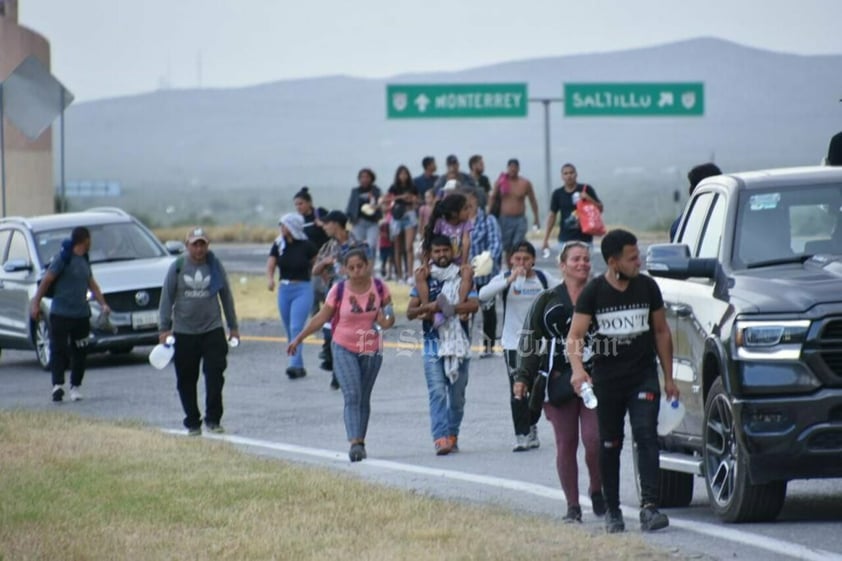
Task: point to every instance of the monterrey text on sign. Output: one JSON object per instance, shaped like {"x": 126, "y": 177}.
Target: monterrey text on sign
{"x": 414, "y": 101}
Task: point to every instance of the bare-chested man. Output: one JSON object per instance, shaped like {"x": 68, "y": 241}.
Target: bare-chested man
{"x": 513, "y": 191}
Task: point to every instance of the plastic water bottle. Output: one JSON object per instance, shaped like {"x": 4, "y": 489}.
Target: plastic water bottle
{"x": 670, "y": 415}
{"x": 519, "y": 282}
{"x": 162, "y": 353}
{"x": 588, "y": 396}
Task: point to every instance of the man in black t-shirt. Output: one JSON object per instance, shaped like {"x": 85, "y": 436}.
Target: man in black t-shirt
{"x": 563, "y": 201}
{"x": 631, "y": 329}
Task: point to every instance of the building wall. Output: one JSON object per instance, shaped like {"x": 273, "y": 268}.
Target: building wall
{"x": 29, "y": 164}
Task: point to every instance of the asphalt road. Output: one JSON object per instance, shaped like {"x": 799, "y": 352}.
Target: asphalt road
{"x": 301, "y": 421}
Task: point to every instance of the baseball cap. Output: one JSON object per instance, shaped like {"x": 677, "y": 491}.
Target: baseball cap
{"x": 336, "y": 216}
{"x": 197, "y": 233}
{"x": 452, "y": 159}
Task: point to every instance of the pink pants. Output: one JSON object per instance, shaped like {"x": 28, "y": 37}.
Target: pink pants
{"x": 565, "y": 420}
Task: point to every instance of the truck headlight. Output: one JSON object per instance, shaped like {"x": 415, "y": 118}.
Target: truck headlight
{"x": 770, "y": 340}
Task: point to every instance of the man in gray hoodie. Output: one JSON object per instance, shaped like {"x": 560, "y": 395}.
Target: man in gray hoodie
{"x": 193, "y": 289}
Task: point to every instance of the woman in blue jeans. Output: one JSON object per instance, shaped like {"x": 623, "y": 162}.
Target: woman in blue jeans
{"x": 293, "y": 254}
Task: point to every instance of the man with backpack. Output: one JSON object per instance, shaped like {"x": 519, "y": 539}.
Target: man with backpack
{"x": 193, "y": 290}
{"x": 519, "y": 286}
{"x": 67, "y": 281}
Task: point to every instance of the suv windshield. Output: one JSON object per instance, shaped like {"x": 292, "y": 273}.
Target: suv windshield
{"x": 787, "y": 225}
{"x": 122, "y": 241}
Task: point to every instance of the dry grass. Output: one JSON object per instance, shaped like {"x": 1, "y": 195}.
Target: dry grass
{"x": 239, "y": 233}
{"x": 254, "y": 302}
{"x": 78, "y": 489}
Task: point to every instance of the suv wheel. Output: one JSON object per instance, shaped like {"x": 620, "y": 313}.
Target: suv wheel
{"x": 41, "y": 337}
{"x": 732, "y": 496}
{"x": 675, "y": 489}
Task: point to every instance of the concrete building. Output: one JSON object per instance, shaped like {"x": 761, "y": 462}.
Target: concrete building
{"x": 29, "y": 164}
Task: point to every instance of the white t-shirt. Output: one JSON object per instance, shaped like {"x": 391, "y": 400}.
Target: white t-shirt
{"x": 518, "y": 302}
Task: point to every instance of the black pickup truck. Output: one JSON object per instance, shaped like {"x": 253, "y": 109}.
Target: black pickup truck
{"x": 753, "y": 295}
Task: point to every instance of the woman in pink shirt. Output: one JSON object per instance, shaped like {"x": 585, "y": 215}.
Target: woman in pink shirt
{"x": 358, "y": 308}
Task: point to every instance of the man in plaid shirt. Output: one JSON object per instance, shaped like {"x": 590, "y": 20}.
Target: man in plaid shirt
{"x": 485, "y": 236}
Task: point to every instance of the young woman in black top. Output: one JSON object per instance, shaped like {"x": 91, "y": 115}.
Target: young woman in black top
{"x": 293, "y": 254}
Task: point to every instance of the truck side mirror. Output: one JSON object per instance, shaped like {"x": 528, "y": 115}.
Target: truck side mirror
{"x": 673, "y": 261}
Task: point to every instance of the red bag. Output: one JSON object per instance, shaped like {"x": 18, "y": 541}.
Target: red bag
{"x": 590, "y": 218}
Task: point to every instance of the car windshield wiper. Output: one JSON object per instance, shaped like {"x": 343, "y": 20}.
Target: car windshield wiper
{"x": 781, "y": 261}
{"x": 113, "y": 259}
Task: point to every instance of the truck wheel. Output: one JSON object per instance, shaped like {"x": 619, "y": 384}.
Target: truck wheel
{"x": 675, "y": 489}
{"x": 732, "y": 496}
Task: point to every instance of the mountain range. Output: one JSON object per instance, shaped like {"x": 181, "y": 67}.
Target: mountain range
{"x": 762, "y": 109}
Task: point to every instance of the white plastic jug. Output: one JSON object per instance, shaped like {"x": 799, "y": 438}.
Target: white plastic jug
{"x": 669, "y": 416}
{"x": 162, "y": 353}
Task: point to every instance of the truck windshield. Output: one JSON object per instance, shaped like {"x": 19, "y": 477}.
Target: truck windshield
{"x": 787, "y": 225}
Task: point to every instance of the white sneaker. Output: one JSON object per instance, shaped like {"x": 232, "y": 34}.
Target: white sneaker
{"x": 75, "y": 395}
{"x": 521, "y": 443}
{"x": 532, "y": 439}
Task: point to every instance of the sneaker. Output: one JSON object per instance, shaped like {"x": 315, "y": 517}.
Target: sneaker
{"x": 75, "y": 395}
{"x": 296, "y": 372}
{"x": 614, "y": 522}
{"x": 532, "y": 438}
{"x": 443, "y": 447}
{"x": 651, "y": 519}
{"x": 574, "y": 514}
{"x": 195, "y": 431}
{"x": 454, "y": 443}
{"x": 326, "y": 365}
{"x": 598, "y": 504}
{"x": 334, "y": 383}
{"x": 357, "y": 452}
{"x": 215, "y": 428}
{"x": 521, "y": 443}
{"x": 445, "y": 307}
{"x": 58, "y": 393}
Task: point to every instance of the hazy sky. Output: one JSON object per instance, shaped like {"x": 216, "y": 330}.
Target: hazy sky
{"x": 107, "y": 48}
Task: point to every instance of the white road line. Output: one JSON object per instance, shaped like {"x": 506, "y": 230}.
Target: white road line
{"x": 772, "y": 545}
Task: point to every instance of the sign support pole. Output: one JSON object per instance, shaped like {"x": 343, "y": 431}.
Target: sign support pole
{"x": 546, "y": 101}
{"x": 2, "y": 151}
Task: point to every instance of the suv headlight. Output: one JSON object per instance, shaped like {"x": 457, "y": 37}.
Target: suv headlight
{"x": 770, "y": 340}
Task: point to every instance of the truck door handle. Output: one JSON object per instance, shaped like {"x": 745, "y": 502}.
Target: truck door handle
{"x": 681, "y": 310}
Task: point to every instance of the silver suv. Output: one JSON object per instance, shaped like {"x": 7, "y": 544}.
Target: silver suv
{"x": 127, "y": 260}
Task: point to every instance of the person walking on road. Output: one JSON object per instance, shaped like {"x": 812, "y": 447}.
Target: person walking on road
{"x": 363, "y": 209}
{"x": 359, "y": 307}
{"x": 403, "y": 197}
{"x": 193, "y": 289}
{"x": 427, "y": 180}
{"x": 447, "y": 348}
{"x": 485, "y": 236}
{"x": 511, "y": 192}
{"x": 476, "y": 165}
{"x": 563, "y": 202}
{"x": 293, "y": 255}
{"x": 520, "y": 286}
{"x": 627, "y": 310}
{"x": 548, "y": 320}
{"x": 70, "y": 314}
{"x": 329, "y": 266}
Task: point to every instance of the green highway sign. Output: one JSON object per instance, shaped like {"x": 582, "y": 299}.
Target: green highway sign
{"x": 643, "y": 99}
{"x": 435, "y": 101}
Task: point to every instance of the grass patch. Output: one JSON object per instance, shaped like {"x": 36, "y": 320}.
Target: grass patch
{"x": 80, "y": 489}
{"x": 254, "y": 301}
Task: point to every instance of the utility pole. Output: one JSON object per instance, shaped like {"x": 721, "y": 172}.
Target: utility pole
{"x": 546, "y": 101}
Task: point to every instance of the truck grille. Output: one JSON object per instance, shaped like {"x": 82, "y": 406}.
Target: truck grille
{"x": 126, "y": 301}
{"x": 833, "y": 330}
